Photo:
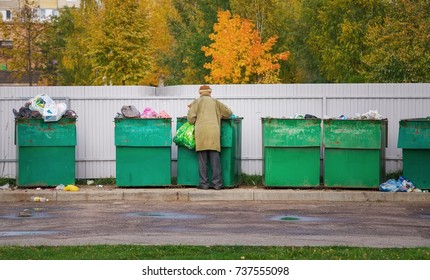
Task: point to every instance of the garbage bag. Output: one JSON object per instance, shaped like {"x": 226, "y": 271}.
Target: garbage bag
{"x": 50, "y": 113}
{"x": 405, "y": 185}
{"x": 148, "y": 112}
{"x": 390, "y": 186}
{"x": 40, "y": 102}
{"x": 185, "y": 136}
{"x": 129, "y": 111}
{"x": 400, "y": 185}
{"x": 71, "y": 188}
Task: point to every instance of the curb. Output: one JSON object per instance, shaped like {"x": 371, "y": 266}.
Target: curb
{"x": 190, "y": 195}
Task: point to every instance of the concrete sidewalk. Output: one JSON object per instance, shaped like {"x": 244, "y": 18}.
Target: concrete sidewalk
{"x": 93, "y": 193}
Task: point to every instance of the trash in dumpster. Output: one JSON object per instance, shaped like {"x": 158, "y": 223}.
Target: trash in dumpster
{"x": 370, "y": 115}
{"x": 43, "y": 107}
{"x": 400, "y": 185}
{"x": 130, "y": 111}
{"x": 148, "y": 112}
{"x": 185, "y": 136}
{"x": 305, "y": 116}
{"x": 71, "y": 188}
{"x": 163, "y": 115}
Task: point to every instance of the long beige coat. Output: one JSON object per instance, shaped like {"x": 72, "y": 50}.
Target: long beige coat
{"x": 206, "y": 113}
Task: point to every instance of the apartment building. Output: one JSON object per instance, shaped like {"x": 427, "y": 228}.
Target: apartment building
{"x": 47, "y": 8}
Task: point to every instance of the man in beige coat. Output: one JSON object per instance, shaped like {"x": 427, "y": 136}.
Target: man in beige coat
{"x": 206, "y": 113}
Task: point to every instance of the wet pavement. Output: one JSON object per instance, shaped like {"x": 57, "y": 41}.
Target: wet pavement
{"x": 278, "y": 223}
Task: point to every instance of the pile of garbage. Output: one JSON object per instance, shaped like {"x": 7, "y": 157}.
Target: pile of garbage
{"x": 370, "y": 115}
{"x": 400, "y": 185}
{"x": 305, "y": 116}
{"x": 130, "y": 111}
{"x": 43, "y": 107}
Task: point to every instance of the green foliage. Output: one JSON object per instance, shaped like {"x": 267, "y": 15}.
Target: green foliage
{"x": 399, "y": 45}
{"x": 183, "y": 252}
{"x": 128, "y": 43}
{"x": 337, "y": 36}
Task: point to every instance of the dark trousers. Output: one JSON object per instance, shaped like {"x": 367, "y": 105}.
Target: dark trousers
{"x": 215, "y": 162}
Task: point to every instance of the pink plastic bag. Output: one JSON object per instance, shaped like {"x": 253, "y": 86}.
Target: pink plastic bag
{"x": 148, "y": 113}
{"x": 163, "y": 115}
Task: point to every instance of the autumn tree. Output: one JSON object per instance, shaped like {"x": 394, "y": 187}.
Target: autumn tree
{"x": 68, "y": 45}
{"x": 238, "y": 53}
{"x": 190, "y": 26}
{"x": 161, "y": 40}
{"x": 119, "y": 45}
{"x": 274, "y": 18}
{"x": 26, "y": 31}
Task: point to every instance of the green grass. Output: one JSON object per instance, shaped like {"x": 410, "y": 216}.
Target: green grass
{"x": 101, "y": 181}
{"x": 251, "y": 180}
{"x": 393, "y": 175}
{"x": 10, "y": 181}
{"x": 182, "y": 252}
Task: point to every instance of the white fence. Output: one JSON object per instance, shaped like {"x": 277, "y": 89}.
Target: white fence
{"x": 97, "y": 107}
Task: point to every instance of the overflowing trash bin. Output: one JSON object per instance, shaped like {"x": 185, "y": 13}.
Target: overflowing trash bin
{"x": 414, "y": 139}
{"x": 354, "y": 152}
{"x": 231, "y": 153}
{"x": 143, "y": 151}
{"x": 45, "y": 140}
{"x": 45, "y": 152}
{"x": 291, "y": 152}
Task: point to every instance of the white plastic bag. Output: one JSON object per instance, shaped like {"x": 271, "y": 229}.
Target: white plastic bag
{"x": 50, "y": 113}
{"x": 40, "y": 102}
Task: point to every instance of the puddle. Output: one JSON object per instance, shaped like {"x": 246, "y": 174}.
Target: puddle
{"x": 28, "y": 213}
{"x": 294, "y": 218}
{"x": 426, "y": 215}
{"x": 165, "y": 215}
{"x": 27, "y": 233}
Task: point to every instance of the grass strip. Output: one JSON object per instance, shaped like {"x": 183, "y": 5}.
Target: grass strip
{"x": 185, "y": 252}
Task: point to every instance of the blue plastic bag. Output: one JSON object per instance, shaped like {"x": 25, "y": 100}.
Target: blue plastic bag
{"x": 390, "y": 186}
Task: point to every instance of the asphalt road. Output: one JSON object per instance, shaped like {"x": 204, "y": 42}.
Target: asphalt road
{"x": 279, "y": 223}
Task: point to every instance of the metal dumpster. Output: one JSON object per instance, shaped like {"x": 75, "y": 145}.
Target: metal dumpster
{"x": 354, "y": 153}
{"x": 414, "y": 139}
{"x": 231, "y": 151}
{"x": 143, "y": 152}
{"x": 291, "y": 152}
{"x": 45, "y": 151}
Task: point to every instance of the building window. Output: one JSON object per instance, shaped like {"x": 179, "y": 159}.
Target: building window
{"x": 6, "y": 15}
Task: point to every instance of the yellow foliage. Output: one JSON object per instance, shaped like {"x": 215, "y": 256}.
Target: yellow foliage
{"x": 239, "y": 55}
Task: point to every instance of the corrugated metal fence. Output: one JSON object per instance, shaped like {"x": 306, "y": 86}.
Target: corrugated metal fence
{"x": 97, "y": 107}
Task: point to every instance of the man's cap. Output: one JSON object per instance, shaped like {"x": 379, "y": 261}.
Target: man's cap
{"x": 204, "y": 89}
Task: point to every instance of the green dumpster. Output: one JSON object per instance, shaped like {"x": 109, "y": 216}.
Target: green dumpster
{"x": 414, "y": 139}
{"x": 354, "y": 153}
{"x": 143, "y": 151}
{"x": 45, "y": 152}
{"x": 291, "y": 152}
{"x": 231, "y": 151}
